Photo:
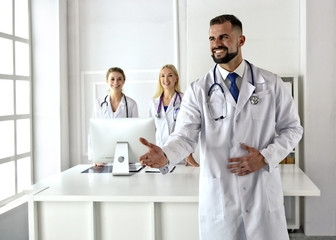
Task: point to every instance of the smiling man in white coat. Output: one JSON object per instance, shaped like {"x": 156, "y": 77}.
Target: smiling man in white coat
{"x": 248, "y": 124}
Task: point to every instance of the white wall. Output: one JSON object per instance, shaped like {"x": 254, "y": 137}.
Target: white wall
{"x": 320, "y": 116}
{"x": 104, "y": 34}
{"x": 50, "y": 102}
{"x": 271, "y": 28}
{"x": 113, "y": 33}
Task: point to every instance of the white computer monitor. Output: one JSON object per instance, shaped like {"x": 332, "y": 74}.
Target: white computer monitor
{"x": 119, "y": 138}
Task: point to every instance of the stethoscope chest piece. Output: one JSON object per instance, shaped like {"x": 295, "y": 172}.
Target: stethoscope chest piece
{"x": 254, "y": 100}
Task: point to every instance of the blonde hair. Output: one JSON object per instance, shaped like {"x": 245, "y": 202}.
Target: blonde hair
{"x": 159, "y": 89}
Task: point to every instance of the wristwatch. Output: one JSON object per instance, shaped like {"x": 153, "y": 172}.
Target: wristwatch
{"x": 165, "y": 169}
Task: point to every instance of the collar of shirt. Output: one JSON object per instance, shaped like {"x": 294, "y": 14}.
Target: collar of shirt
{"x": 239, "y": 70}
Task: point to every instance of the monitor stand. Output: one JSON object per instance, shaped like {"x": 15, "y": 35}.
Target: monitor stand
{"x": 121, "y": 161}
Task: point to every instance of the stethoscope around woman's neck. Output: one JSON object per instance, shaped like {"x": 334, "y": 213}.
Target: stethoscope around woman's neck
{"x": 158, "y": 111}
{"x": 105, "y": 102}
{"x": 253, "y": 99}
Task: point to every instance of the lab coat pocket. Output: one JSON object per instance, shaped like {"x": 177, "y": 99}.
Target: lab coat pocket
{"x": 263, "y": 110}
{"x": 274, "y": 195}
{"x": 210, "y": 198}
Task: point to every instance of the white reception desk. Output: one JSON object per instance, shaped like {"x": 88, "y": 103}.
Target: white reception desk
{"x": 75, "y": 205}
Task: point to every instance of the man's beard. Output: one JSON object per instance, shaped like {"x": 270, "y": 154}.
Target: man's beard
{"x": 227, "y": 58}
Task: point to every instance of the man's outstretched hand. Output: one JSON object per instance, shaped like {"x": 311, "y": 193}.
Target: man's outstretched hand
{"x": 155, "y": 157}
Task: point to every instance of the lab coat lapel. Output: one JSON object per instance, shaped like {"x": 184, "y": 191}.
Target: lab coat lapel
{"x": 227, "y": 93}
{"x": 108, "y": 108}
{"x": 170, "y": 105}
{"x": 229, "y": 97}
{"x": 164, "y": 115}
{"x": 245, "y": 92}
{"x": 121, "y": 110}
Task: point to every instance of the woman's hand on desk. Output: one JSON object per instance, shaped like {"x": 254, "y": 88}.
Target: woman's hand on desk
{"x": 190, "y": 160}
{"x": 155, "y": 157}
{"x": 99, "y": 164}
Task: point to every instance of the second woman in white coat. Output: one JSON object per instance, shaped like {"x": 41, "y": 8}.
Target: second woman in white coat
{"x": 115, "y": 104}
{"x": 166, "y": 105}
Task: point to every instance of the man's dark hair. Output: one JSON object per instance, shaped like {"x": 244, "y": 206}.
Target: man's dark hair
{"x": 236, "y": 23}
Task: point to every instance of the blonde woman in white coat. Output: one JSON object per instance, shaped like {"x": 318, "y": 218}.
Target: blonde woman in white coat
{"x": 115, "y": 104}
{"x": 166, "y": 105}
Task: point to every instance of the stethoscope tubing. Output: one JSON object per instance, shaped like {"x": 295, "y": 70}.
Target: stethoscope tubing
{"x": 253, "y": 99}
{"x": 105, "y": 102}
{"x": 158, "y": 111}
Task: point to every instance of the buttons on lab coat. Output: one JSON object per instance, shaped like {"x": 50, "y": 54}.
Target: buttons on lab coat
{"x": 246, "y": 210}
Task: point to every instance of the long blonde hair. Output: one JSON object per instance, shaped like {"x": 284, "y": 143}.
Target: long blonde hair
{"x": 159, "y": 89}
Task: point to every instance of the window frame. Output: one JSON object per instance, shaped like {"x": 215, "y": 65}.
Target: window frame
{"x": 15, "y": 117}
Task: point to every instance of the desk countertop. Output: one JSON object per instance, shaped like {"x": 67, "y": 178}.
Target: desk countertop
{"x": 296, "y": 183}
{"x": 72, "y": 185}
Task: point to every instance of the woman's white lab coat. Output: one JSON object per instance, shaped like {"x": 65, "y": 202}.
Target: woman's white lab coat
{"x": 165, "y": 124}
{"x": 102, "y": 108}
{"x": 229, "y": 203}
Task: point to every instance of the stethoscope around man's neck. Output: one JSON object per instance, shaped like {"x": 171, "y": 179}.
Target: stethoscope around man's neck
{"x": 105, "y": 102}
{"x": 253, "y": 99}
{"x": 158, "y": 111}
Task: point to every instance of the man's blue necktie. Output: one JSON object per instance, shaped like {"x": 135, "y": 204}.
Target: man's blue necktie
{"x": 233, "y": 88}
